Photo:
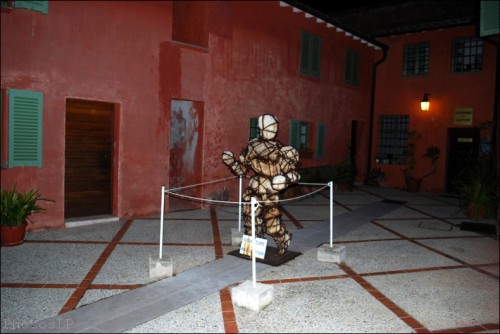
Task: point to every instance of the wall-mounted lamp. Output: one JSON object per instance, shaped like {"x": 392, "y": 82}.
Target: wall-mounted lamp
{"x": 424, "y": 103}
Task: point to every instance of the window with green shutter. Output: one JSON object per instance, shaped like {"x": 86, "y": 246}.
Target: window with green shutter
{"x": 39, "y": 6}
{"x": 351, "y": 67}
{"x": 310, "y": 54}
{"x": 320, "y": 141}
{"x": 25, "y": 128}
{"x": 489, "y": 18}
{"x": 294, "y": 133}
{"x": 299, "y": 137}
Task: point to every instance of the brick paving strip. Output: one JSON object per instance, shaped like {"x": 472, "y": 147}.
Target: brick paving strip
{"x": 127, "y": 310}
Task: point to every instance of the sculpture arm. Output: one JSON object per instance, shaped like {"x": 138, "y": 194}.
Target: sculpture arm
{"x": 280, "y": 182}
{"x": 238, "y": 167}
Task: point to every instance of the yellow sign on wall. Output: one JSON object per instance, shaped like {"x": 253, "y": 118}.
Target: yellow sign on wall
{"x": 463, "y": 116}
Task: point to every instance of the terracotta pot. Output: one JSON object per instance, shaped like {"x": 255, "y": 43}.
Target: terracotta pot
{"x": 12, "y": 235}
{"x": 413, "y": 184}
{"x": 477, "y": 212}
{"x": 343, "y": 186}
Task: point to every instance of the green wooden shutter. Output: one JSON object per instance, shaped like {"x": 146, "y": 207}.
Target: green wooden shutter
{"x": 355, "y": 68}
{"x": 304, "y": 53}
{"x": 315, "y": 55}
{"x": 320, "y": 141}
{"x": 25, "y": 128}
{"x": 351, "y": 67}
{"x": 294, "y": 133}
{"x": 347, "y": 67}
{"x": 39, "y": 6}
{"x": 310, "y": 54}
{"x": 489, "y": 21}
{"x": 253, "y": 128}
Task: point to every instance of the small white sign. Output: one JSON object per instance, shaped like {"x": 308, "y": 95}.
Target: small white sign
{"x": 260, "y": 246}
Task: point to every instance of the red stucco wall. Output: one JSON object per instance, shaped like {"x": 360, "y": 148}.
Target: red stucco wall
{"x": 397, "y": 95}
{"x": 123, "y": 52}
{"x": 105, "y": 51}
{"x": 254, "y": 70}
{"x": 251, "y": 68}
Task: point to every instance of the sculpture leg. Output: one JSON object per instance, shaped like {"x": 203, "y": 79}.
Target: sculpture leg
{"x": 276, "y": 229}
{"x": 247, "y": 216}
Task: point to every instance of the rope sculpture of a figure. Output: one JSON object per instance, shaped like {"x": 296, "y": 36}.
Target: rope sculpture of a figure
{"x": 275, "y": 167}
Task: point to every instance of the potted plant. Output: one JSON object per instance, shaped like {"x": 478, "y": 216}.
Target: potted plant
{"x": 413, "y": 182}
{"x": 375, "y": 176}
{"x": 16, "y": 209}
{"x": 477, "y": 186}
{"x": 344, "y": 174}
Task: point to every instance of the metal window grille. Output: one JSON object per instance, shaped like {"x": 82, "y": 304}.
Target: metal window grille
{"x": 393, "y": 139}
{"x": 416, "y": 60}
{"x": 467, "y": 55}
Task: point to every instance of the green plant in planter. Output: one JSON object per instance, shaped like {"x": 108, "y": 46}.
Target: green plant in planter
{"x": 477, "y": 185}
{"x": 413, "y": 182}
{"x": 16, "y": 207}
{"x": 344, "y": 174}
{"x": 375, "y": 176}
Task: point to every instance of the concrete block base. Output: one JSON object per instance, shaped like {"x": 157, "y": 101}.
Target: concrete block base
{"x": 335, "y": 254}
{"x": 255, "y": 299}
{"x": 159, "y": 268}
{"x": 236, "y": 236}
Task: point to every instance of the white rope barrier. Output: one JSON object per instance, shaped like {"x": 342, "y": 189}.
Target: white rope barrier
{"x": 202, "y": 184}
{"x": 203, "y": 200}
{"x": 253, "y": 202}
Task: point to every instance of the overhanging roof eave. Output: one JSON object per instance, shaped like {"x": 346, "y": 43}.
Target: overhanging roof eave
{"x": 330, "y": 20}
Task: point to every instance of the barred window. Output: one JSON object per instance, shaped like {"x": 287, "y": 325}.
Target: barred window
{"x": 393, "y": 139}
{"x": 416, "y": 60}
{"x": 467, "y": 55}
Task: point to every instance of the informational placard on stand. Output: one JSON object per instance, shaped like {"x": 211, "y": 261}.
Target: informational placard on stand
{"x": 260, "y": 246}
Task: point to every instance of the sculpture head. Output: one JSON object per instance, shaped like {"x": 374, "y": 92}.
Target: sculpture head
{"x": 268, "y": 126}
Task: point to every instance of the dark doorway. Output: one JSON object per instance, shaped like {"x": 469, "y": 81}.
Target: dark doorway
{"x": 354, "y": 142}
{"x": 88, "y": 158}
{"x": 462, "y": 143}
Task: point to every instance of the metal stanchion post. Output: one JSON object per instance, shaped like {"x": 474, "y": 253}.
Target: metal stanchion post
{"x": 239, "y": 205}
{"x": 161, "y": 219}
{"x": 330, "y": 184}
{"x": 254, "y": 204}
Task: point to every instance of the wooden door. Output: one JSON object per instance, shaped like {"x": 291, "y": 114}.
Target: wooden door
{"x": 88, "y": 158}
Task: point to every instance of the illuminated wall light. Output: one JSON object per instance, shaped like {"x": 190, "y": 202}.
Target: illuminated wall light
{"x": 424, "y": 103}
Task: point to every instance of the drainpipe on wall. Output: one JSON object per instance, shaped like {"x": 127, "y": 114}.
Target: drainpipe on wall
{"x": 339, "y": 25}
{"x": 385, "y": 48}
